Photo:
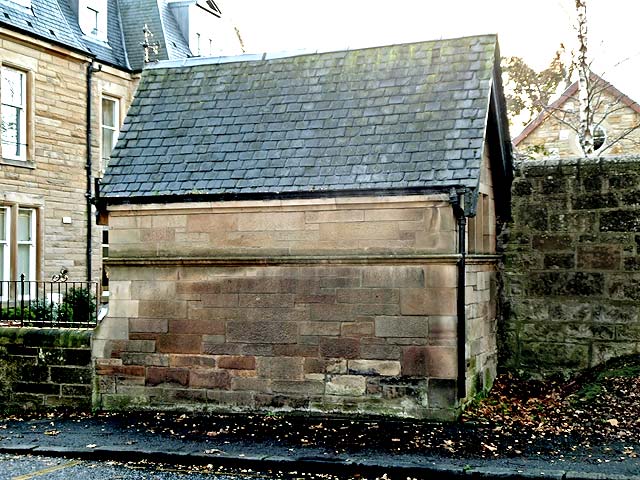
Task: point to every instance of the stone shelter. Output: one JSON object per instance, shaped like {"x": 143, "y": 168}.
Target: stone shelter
{"x": 313, "y": 232}
{"x": 617, "y": 118}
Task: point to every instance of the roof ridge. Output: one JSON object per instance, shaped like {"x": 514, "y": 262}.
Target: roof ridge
{"x": 274, "y": 55}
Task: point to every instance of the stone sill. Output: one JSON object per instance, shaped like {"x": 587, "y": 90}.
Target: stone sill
{"x": 30, "y": 164}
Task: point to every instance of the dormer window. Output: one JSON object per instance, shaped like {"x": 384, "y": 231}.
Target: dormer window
{"x": 92, "y": 18}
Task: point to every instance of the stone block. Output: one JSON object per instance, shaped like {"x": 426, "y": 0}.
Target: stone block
{"x": 302, "y": 387}
{"x": 441, "y": 393}
{"x": 219, "y": 300}
{"x": 357, "y": 329}
{"x": 367, "y": 295}
{"x": 179, "y": 360}
{"x": 429, "y": 301}
{"x": 599, "y": 257}
{"x": 429, "y": 361}
{"x": 148, "y": 325}
{"x": 386, "y": 368}
{"x": 380, "y": 351}
{"x": 346, "y": 385}
{"x": 295, "y": 350}
{"x": 179, "y": 343}
{"x": 237, "y": 362}
{"x": 441, "y": 276}
{"x": 393, "y": 276}
{"x": 314, "y": 365}
{"x": 262, "y": 332}
{"x": 270, "y": 221}
{"x": 339, "y": 347}
{"x": 207, "y": 378}
{"x": 280, "y": 368}
{"x": 266, "y": 300}
{"x": 161, "y": 375}
{"x": 406, "y": 326}
{"x": 320, "y": 328}
{"x": 262, "y": 385}
{"x": 334, "y": 313}
{"x": 335, "y": 365}
{"x": 394, "y": 214}
{"x": 162, "y": 309}
{"x": 209, "y": 326}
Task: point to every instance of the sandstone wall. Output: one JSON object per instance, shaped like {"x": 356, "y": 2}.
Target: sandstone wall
{"x": 326, "y": 305}
{"x": 571, "y": 268}
{"x": 54, "y": 178}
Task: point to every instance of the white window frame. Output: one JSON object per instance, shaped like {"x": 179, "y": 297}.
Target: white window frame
{"x": 31, "y": 275}
{"x": 9, "y": 150}
{"x": 114, "y": 130}
{"x": 6, "y": 243}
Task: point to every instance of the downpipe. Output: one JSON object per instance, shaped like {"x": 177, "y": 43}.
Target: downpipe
{"x": 457, "y": 202}
{"x": 91, "y": 69}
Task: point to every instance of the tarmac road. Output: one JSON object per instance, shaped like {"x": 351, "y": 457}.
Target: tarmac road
{"x": 27, "y": 467}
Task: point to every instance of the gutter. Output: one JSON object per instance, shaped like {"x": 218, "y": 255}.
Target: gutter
{"x": 89, "y": 168}
{"x": 456, "y": 197}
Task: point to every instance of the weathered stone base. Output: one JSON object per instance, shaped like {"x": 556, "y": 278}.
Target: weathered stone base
{"x": 45, "y": 368}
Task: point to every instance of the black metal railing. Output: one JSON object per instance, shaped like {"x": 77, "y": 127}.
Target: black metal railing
{"x": 57, "y": 303}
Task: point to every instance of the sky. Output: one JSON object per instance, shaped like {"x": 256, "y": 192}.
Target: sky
{"x": 531, "y": 29}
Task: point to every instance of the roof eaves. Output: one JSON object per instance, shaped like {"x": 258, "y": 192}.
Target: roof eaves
{"x": 229, "y": 196}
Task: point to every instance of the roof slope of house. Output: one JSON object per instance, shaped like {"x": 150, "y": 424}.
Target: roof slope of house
{"x": 155, "y": 14}
{"x": 45, "y": 19}
{"x": 411, "y": 116}
{"x": 55, "y": 21}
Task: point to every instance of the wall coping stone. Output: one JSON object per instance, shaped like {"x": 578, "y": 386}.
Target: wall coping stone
{"x": 526, "y": 164}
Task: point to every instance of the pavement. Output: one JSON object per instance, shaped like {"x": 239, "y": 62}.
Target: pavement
{"x": 155, "y": 439}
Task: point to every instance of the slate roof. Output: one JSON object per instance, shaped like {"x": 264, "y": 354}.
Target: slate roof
{"x": 409, "y": 116}
{"x": 157, "y": 16}
{"x": 54, "y": 20}
{"x": 44, "y": 19}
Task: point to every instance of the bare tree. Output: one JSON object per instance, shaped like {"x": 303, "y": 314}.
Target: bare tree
{"x": 597, "y": 99}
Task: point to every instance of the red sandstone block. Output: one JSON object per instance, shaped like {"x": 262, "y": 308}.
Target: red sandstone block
{"x": 414, "y": 362}
{"x": 177, "y": 360}
{"x": 211, "y": 326}
{"x": 159, "y": 375}
{"x": 175, "y": 343}
{"x": 118, "y": 370}
{"x": 314, "y": 365}
{"x": 237, "y": 363}
{"x": 429, "y": 361}
{"x": 209, "y": 379}
{"x": 339, "y": 347}
{"x": 148, "y": 325}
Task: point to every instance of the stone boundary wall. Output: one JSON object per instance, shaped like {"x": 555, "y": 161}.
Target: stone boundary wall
{"x": 42, "y": 369}
{"x": 572, "y": 265}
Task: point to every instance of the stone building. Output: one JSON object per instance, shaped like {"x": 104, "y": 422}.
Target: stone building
{"x": 69, "y": 69}
{"x": 311, "y": 232}
{"x": 553, "y": 133}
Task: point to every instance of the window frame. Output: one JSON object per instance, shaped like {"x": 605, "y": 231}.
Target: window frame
{"x": 29, "y": 134}
{"x": 22, "y": 113}
{"x": 5, "y": 272}
{"x": 31, "y": 243}
{"x": 115, "y": 129}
